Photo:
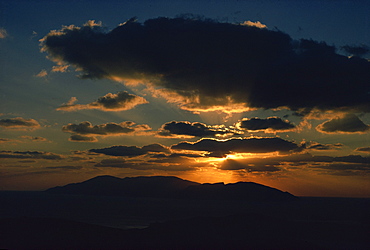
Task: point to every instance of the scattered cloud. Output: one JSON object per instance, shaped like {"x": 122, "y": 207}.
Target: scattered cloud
{"x": 268, "y": 125}
{"x": 245, "y": 145}
{"x": 347, "y": 124}
{"x": 203, "y": 65}
{"x": 3, "y": 33}
{"x": 185, "y": 129}
{"x": 85, "y": 131}
{"x": 19, "y": 123}
{"x": 110, "y": 102}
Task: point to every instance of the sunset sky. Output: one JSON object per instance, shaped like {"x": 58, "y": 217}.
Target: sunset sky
{"x": 273, "y": 92}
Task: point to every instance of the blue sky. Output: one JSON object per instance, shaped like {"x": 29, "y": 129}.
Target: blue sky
{"x": 33, "y": 96}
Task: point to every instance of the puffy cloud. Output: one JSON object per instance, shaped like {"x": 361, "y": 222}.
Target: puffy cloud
{"x": 30, "y": 155}
{"x": 206, "y": 65}
{"x": 131, "y": 151}
{"x": 19, "y": 123}
{"x": 270, "y": 124}
{"x": 363, "y": 150}
{"x": 110, "y": 102}
{"x": 3, "y": 33}
{"x": 349, "y": 123}
{"x": 195, "y": 129}
{"x": 246, "y": 145}
{"x": 81, "y": 130}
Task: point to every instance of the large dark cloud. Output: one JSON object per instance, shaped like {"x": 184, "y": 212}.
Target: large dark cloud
{"x": 131, "y": 151}
{"x": 84, "y": 130}
{"x": 204, "y": 64}
{"x": 347, "y": 124}
{"x": 195, "y": 129}
{"x": 19, "y": 122}
{"x": 110, "y": 102}
{"x": 251, "y": 145}
{"x": 273, "y": 124}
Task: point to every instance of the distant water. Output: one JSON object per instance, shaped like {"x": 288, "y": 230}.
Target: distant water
{"x": 122, "y": 212}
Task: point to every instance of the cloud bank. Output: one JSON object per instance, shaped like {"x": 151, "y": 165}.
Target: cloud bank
{"x": 347, "y": 124}
{"x": 270, "y": 124}
{"x": 203, "y": 64}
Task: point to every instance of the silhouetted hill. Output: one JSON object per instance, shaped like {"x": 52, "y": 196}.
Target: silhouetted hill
{"x": 172, "y": 187}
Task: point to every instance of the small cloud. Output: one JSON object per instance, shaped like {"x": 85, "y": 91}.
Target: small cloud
{"x": 363, "y": 150}
{"x": 359, "y": 51}
{"x": 81, "y": 138}
{"x": 323, "y": 147}
{"x": 19, "y": 123}
{"x": 3, "y": 33}
{"x": 60, "y": 68}
{"x": 43, "y": 73}
{"x": 110, "y": 102}
{"x": 257, "y": 24}
{"x": 34, "y": 138}
{"x": 347, "y": 124}
{"x": 268, "y": 125}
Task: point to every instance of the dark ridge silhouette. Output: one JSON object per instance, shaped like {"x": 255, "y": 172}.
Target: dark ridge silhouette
{"x": 240, "y": 231}
{"x": 172, "y": 187}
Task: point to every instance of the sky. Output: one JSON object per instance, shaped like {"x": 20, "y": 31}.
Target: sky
{"x": 273, "y": 92}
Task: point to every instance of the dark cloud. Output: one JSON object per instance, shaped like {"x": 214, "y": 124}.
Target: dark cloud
{"x": 203, "y": 64}
{"x": 82, "y": 138}
{"x": 246, "y": 145}
{"x": 65, "y": 167}
{"x": 19, "y": 122}
{"x": 110, "y": 102}
{"x": 230, "y": 164}
{"x": 322, "y": 147}
{"x": 347, "y": 124}
{"x": 363, "y": 150}
{"x": 270, "y": 124}
{"x": 195, "y": 129}
{"x": 30, "y": 155}
{"x": 140, "y": 165}
{"x": 81, "y": 131}
{"x": 356, "y": 50}
{"x": 130, "y": 151}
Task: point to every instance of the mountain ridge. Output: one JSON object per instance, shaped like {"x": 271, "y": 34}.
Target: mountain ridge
{"x": 172, "y": 187}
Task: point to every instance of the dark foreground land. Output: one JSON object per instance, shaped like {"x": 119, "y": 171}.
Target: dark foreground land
{"x": 41, "y": 220}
